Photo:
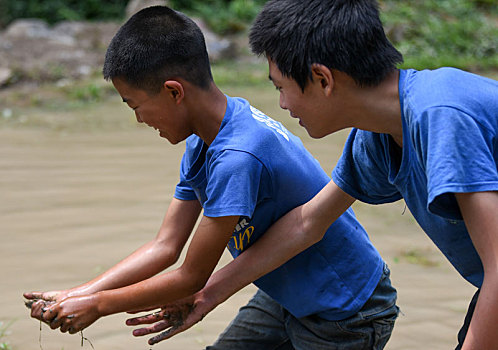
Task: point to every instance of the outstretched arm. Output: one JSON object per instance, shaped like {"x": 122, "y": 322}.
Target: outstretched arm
{"x": 290, "y": 235}
{"x": 480, "y": 212}
{"x": 145, "y": 262}
{"x": 76, "y": 313}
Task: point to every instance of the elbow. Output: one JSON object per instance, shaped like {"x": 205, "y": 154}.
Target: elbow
{"x": 491, "y": 274}
{"x": 311, "y": 233}
{"x": 168, "y": 255}
{"x": 310, "y": 228}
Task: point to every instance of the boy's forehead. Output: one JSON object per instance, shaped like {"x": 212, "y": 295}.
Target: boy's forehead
{"x": 273, "y": 72}
{"x": 125, "y": 90}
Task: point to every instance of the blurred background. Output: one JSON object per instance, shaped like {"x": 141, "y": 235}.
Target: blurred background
{"x": 82, "y": 184}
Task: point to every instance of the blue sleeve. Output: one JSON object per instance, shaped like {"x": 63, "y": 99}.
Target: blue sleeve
{"x": 457, "y": 153}
{"x": 183, "y": 191}
{"x": 363, "y": 169}
{"x": 234, "y": 183}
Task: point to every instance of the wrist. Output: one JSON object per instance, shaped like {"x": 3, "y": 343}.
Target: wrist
{"x": 75, "y": 292}
{"x": 84, "y": 289}
{"x": 101, "y": 306}
{"x": 212, "y": 295}
{"x": 205, "y": 301}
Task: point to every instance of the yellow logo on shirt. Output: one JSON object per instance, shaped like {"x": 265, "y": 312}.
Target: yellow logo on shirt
{"x": 241, "y": 235}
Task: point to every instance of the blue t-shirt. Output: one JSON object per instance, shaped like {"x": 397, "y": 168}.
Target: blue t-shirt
{"x": 259, "y": 171}
{"x": 450, "y": 145}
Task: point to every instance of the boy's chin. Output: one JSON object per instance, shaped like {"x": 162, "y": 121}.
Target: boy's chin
{"x": 316, "y": 134}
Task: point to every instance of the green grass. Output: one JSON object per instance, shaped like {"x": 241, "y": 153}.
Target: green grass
{"x": 4, "y": 345}
{"x": 435, "y": 33}
{"x": 233, "y": 73}
{"x": 93, "y": 104}
{"x": 416, "y": 257}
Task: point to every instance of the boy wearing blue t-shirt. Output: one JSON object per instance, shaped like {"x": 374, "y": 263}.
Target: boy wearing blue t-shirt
{"x": 429, "y": 137}
{"x": 245, "y": 171}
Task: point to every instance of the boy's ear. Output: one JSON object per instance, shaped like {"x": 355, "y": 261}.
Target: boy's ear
{"x": 174, "y": 89}
{"x": 323, "y": 75}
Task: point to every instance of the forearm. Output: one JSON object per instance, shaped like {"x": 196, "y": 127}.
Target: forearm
{"x": 483, "y": 329}
{"x": 479, "y": 212}
{"x": 145, "y": 262}
{"x": 151, "y": 293}
{"x": 273, "y": 249}
{"x": 204, "y": 252}
{"x": 152, "y": 257}
{"x": 294, "y": 232}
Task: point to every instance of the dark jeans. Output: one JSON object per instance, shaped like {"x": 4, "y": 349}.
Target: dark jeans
{"x": 466, "y": 323}
{"x": 265, "y": 325}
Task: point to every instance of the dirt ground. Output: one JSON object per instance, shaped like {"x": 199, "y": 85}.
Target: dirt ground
{"x": 76, "y": 199}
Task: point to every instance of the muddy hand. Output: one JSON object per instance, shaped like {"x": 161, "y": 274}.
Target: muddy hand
{"x": 47, "y": 296}
{"x": 73, "y": 314}
{"x": 167, "y": 323}
{"x": 173, "y": 318}
{"x": 37, "y": 307}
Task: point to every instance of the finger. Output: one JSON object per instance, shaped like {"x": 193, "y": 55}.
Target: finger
{"x": 40, "y": 295}
{"x": 147, "y": 319}
{"x": 31, "y": 295}
{"x": 157, "y": 327}
{"x": 36, "y": 309}
{"x": 29, "y": 303}
{"x": 166, "y": 334}
{"x": 65, "y": 326}
{"x": 48, "y": 314}
{"x": 142, "y": 310}
{"x": 67, "y": 323}
{"x": 39, "y": 309}
{"x": 73, "y": 329}
{"x": 55, "y": 323}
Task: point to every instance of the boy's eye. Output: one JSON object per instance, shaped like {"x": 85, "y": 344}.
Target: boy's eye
{"x": 278, "y": 88}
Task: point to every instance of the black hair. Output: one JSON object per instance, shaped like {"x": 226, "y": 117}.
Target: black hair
{"x": 156, "y": 44}
{"x": 346, "y": 35}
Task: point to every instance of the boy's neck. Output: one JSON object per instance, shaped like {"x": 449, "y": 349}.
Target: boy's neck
{"x": 378, "y": 108}
{"x": 207, "y": 108}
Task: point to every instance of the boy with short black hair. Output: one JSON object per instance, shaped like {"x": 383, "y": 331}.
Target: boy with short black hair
{"x": 244, "y": 170}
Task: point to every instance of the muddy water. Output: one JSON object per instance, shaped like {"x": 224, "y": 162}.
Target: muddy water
{"x": 73, "y": 204}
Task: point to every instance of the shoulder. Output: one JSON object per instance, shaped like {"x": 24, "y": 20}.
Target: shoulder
{"x": 437, "y": 99}
{"x": 367, "y": 143}
{"x": 447, "y": 88}
{"x": 366, "y": 150}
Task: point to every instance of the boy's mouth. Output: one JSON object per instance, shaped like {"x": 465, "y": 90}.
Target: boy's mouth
{"x": 297, "y": 117}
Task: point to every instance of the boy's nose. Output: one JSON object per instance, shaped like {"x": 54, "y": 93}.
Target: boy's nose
{"x": 138, "y": 117}
{"x": 282, "y": 103}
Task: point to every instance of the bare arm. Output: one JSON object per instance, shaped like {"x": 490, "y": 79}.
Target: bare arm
{"x": 154, "y": 256}
{"x": 480, "y": 212}
{"x": 203, "y": 254}
{"x": 294, "y": 232}
{"x": 290, "y": 235}
{"x": 145, "y": 262}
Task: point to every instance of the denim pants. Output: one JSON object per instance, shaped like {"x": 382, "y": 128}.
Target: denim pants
{"x": 265, "y": 325}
